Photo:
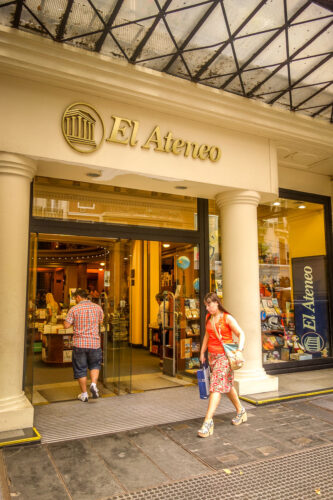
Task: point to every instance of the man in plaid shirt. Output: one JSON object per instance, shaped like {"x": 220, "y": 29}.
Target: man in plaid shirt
{"x": 85, "y": 317}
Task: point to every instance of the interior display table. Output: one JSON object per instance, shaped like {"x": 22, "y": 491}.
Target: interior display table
{"x": 57, "y": 348}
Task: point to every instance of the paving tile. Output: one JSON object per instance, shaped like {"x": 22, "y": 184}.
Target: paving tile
{"x": 169, "y": 456}
{"x": 327, "y": 435}
{"x": 316, "y": 408}
{"x": 228, "y": 458}
{"x": 32, "y": 475}
{"x": 86, "y": 475}
{"x": 302, "y": 442}
{"x": 283, "y": 433}
{"x": 132, "y": 468}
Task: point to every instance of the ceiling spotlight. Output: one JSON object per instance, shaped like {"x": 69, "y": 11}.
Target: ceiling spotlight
{"x": 276, "y": 204}
{"x": 101, "y": 269}
{"x": 125, "y": 258}
{"x": 102, "y": 263}
{"x": 301, "y": 206}
{"x": 166, "y": 245}
{"x": 94, "y": 174}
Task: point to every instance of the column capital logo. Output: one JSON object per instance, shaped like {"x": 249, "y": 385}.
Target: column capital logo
{"x": 83, "y": 127}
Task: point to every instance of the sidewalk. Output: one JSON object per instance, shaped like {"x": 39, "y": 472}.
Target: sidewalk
{"x": 285, "y": 450}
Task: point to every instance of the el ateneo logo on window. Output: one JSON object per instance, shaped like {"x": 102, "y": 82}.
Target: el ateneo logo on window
{"x": 84, "y": 131}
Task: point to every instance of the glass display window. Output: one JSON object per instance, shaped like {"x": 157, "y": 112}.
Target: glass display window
{"x": 293, "y": 281}
{"x": 215, "y": 261}
{"x": 84, "y": 201}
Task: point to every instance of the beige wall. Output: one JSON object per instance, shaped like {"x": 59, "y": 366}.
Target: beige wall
{"x": 292, "y": 178}
{"x": 33, "y": 127}
{"x": 41, "y": 78}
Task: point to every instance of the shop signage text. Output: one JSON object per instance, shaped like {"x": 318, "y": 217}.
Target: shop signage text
{"x": 311, "y": 303}
{"x": 84, "y": 131}
{"x": 309, "y": 320}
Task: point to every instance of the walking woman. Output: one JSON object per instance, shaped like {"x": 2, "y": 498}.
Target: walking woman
{"x": 221, "y": 376}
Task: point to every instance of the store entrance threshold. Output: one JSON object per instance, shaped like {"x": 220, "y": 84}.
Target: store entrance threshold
{"x": 296, "y": 386}
{"x": 76, "y": 420}
{"x": 68, "y": 391}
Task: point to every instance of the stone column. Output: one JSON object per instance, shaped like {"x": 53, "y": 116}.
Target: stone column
{"x": 240, "y": 274}
{"x": 16, "y": 174}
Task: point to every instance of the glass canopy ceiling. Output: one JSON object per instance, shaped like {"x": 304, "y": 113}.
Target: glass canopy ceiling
{"x": 276, "y": 51}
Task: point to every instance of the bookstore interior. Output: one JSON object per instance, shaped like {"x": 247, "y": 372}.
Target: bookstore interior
{"x": 149, "y": 291}
{"x": 149, "y": 294}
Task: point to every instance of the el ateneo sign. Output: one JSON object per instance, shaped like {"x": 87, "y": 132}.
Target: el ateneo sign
{"x": 311, "y": 303}
{"x": 84, "y": 131}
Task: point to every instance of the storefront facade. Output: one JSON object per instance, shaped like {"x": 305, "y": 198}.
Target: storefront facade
{"x": 79, "y": 118}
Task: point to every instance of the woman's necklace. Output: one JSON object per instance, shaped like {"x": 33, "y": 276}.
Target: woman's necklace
{"x": 216, "y": 319}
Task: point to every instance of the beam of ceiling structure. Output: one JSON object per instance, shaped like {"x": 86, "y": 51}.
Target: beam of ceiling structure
{"x": 276, "y": 51}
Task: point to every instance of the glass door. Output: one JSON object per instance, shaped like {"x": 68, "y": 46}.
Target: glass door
{"x": 117, "y": 338}
{"x": 180, "y": 288}
{"x": 33, "y": 340}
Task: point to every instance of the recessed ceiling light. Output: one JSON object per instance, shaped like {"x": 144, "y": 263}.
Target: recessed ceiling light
{"x": 125, "y": 258}
{"x": 101, "y": 269}
{"x": 102, "y": 263}
{"x": 180, "y": 187}
{"x": 276, "y": 204}
{"x": 166, "y": 245}
{"x": 93, "y": 174}
{"x": 301, "y": 206}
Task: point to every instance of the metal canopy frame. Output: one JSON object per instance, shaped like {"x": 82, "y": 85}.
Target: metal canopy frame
{"x": 167, "y": 35}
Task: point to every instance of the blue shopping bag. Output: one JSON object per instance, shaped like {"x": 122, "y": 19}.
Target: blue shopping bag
{"x": 203, "y": 375}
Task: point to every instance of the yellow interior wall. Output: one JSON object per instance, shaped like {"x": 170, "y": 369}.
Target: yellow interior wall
{"x": 145, "y": 293}
{"x": 306, "y": 238}
{"x": 307, "y": 235}
{"x": 136, "y": 295}
{"x": 154, "y": 280}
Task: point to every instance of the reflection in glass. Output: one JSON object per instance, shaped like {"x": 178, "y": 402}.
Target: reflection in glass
{"x": 215, "y": 260}
{"x": 293, "y": 281}
{"x": 70, "y": 200}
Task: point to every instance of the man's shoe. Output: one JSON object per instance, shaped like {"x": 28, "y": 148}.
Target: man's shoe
{"x": 94, "y": 391}
{"x": 83, "y": 398}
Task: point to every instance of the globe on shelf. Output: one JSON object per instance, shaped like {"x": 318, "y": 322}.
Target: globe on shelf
{"x": 183, "y": 262}
{"x": 196, "y": 284}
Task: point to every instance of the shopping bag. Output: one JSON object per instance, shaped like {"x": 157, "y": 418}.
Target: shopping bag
{"x": 203, "y": 375}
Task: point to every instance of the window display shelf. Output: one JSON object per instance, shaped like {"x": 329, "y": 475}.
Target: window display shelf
{"x": 267, "y": 264}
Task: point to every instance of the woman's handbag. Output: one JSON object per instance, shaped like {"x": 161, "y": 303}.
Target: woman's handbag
{"x": 203, "y": 375}
{"x": 236, "y": 359}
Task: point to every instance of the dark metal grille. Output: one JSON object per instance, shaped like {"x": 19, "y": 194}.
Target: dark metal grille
{"x": 275, "y": 51}
{"x": 269, "y": 479}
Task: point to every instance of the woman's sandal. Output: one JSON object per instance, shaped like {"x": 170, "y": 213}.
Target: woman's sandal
{"x": 206, "y": 429}
{"x": 240, "y": 417}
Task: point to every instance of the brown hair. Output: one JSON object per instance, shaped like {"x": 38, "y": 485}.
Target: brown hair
{"x": 213, "y": 297}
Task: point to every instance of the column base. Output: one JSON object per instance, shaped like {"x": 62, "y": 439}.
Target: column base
{"x": 256, "y": 385}
{"x": 17, "y": 418}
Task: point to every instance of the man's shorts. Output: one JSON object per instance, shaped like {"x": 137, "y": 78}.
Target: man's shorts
{"x": 86, "y": 358}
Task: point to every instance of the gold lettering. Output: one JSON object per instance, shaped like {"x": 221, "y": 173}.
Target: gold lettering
{"x": 187, "y": 149}
{"x": 203, "y": 152}
{"x": 133, "y": 141}
{"x": 117, "y": 129}
{"x": 214, "y": 153}
{"x": 168, "y": 138}
{"x": 177, "y": 145}
{"x": 156, "y": 138}
{"x": 195, "y": 150}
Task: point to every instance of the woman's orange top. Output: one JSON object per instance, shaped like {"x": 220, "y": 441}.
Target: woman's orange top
{"x": 214, "y": 344}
